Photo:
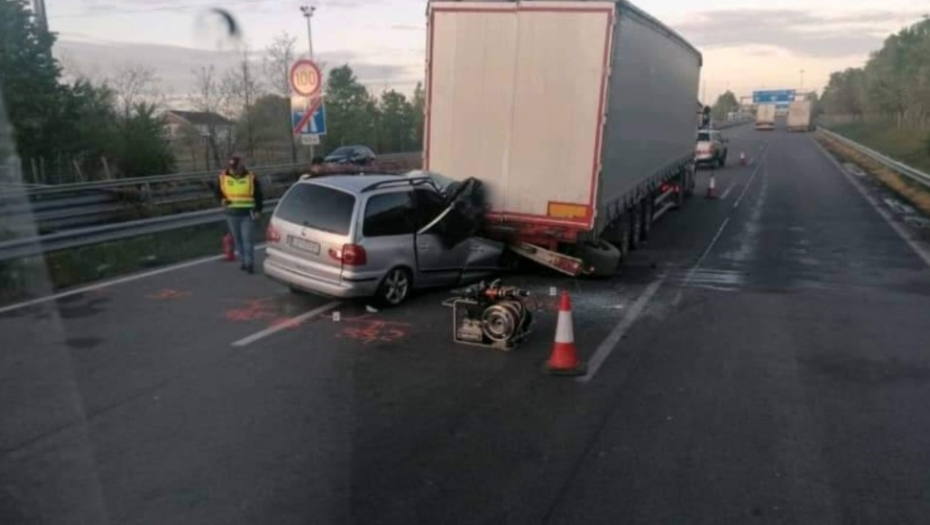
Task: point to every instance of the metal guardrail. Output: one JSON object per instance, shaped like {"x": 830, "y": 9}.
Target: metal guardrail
{"x": 899, "y": 167}
{"x": 144, "y": 181}
{"x": 81, "y": 205}
{"x": 178, "y": 177}
{"x": 36, "y": 246}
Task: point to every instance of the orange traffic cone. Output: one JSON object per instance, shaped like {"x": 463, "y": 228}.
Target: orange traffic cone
{"x": 564, "y": 359}
{"x": 712, "y": 187}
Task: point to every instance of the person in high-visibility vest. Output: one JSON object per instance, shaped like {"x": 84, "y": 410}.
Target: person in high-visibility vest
{"x": 240, "y": 193}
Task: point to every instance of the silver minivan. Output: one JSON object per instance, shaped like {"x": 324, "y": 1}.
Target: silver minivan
{"x": 373, "y": 235}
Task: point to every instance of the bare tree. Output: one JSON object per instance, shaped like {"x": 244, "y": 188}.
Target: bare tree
{"x": 133, "y": 84}
{"x": 242, "y": 88}
{"x": 278, "y": 58}
{"x": 209, "y": 98}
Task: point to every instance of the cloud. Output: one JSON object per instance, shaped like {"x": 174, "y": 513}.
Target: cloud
{"x": 803, "y": 33}
{"x": 344, "y": 4}
{"x": 100, "y": 8}
{"x": 407, "y": 27}
{"x": 173, "y": 64}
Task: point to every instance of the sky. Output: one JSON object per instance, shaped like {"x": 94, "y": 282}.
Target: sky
{"x": 746, "y": 46}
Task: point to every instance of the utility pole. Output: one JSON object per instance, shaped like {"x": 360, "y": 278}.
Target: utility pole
{"x": 38, "y": 10}
{"x": 308, "y": 10}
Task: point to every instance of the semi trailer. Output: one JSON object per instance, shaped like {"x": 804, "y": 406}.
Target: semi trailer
{"x": 578, "y": 116}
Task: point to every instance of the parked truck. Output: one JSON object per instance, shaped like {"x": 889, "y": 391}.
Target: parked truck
{"x": 765, "y": 116}
{"x": 799, "y": 116}
{"x": 578, "y": 116}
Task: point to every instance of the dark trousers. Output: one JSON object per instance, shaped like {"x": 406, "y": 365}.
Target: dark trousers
{"x": 242, "y": 228}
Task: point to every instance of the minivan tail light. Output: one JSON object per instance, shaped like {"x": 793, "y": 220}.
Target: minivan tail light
{"x": 349, "y": 255}
{"x": 272, "y": 234}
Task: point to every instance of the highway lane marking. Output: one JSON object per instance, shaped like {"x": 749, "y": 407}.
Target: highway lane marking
{"x": 113, "y": 282}
{"x": 728, "y": 190}
{"x": 286, "y": 324}
{"x": 723, "y": 226}
{"x": 752, "y": 177}
{"x": 706, "y": 253}
{"x": 920, "y": 249}
{"x": 609, "y": 344}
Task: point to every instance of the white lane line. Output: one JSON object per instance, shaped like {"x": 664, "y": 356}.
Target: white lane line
{"x": 727, "y": 192}
{"x": 284, "y": 325}
{"x": 919, "y": 248}
{"x": 114, "y": 282}
{"x": 697, "y": 266}
{"x": 751, "y": 178}
{"x": 707, "y": 251}
{"x": 610, "y": 343}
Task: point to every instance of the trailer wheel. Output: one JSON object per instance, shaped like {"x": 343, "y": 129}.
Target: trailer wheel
{"x": 648, "y": 210}
{"x": 601, "y": 257}
{"x": 681, "y": 195}
{"x": 636, "y": 226}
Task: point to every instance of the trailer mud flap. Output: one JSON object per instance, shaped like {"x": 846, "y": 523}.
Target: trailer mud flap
{"x": 571, "y": 266}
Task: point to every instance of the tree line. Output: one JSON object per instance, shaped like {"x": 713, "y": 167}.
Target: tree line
{"x": 894, "y": 84}
{"x": 726, "y": 103}
{"x": 390, "y": 122}
{"x": 77, "y": 127}
{"x": 86, "y": 129}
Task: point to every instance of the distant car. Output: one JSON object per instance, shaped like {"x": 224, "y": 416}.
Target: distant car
{"x": 711, "y": 148}
{"x": 376, "y": 235}
{"x": 361, "y": 155}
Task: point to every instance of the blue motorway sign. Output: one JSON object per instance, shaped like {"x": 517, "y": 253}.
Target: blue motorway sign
{"x": 315, "y": 126}
{"x": 780, "y": 97}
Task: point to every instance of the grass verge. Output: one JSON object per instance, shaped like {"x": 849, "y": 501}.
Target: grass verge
{"x": 914, "y": 193}
{"x": 906, "y": 145}
{"x": 26, "y": 278}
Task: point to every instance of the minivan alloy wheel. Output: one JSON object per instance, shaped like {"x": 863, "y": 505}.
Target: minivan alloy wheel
{"x": 395, "y": 287}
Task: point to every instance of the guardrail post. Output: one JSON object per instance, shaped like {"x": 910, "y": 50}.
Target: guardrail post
{"x": 147, "y": 194}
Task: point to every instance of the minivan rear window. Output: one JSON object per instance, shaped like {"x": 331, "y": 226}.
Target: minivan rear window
{"x": 318, "y": 207}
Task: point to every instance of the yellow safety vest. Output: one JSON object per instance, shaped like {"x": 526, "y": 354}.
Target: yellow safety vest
{"x": 239, "y": 191}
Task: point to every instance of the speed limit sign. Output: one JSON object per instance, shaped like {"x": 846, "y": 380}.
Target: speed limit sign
{"x": 306, "y": 79}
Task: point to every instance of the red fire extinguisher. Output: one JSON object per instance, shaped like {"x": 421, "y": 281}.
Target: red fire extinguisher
{"x": 229, "y": 248}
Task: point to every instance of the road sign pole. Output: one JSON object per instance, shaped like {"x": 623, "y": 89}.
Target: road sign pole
{"x": 306, "y": 83}
{"x": 308, "y": 14}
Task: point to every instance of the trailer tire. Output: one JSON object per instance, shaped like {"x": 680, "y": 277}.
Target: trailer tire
{"x": 679, "y": 198}
{"x": 648, "y": 210}
{"x": 601, "y": 257}
{"x": 686, "y": 183}
{"x": 636, "y": 226}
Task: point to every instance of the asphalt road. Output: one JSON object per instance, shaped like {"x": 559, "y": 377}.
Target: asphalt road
{"x": 761, "y": 360}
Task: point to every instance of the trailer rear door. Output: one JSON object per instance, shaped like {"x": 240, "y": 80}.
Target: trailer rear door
{"x": 516, "y": 97}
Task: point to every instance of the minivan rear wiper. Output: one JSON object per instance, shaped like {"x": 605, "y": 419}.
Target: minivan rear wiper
{"x": 306, "y": 224}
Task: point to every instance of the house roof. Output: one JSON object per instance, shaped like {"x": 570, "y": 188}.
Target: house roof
{"x": 202, "y": 118}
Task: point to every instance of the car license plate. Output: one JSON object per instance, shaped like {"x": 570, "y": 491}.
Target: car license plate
{"x": 303, "y": 245}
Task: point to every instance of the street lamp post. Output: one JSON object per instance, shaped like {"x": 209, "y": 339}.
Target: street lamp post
{"x": 307, "y": 11}
{"x": 802, "y": 81}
